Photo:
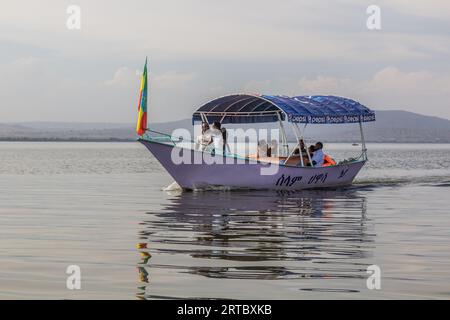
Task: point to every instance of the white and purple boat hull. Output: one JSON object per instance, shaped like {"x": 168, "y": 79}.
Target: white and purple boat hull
{"x": 216, "y": 171}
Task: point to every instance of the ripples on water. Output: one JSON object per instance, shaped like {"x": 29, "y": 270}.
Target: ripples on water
{"x": 101, "y": 205}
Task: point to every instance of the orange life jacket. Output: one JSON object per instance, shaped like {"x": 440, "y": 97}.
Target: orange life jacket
{"x": 328, "y": 161}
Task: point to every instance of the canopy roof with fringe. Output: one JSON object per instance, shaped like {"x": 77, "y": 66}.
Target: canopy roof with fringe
{"x": 249, "y": 108}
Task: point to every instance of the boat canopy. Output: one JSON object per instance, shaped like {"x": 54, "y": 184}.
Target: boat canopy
{"x": 249, "y": 108}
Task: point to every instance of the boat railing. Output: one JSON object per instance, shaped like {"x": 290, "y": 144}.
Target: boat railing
{"x": 156, "y": 136}
{"x": 160, "y": 137}
{"x": 164, "y": 138}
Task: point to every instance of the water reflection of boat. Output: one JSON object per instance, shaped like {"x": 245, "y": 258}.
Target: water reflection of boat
{"x": 262, "y": 235}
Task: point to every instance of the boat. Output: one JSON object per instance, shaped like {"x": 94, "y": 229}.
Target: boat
{"x": 193, "y": 168}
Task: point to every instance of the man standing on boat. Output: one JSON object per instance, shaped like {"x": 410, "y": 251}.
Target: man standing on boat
{"x": 203, "y": 140}
{"x": 216, "y": 137}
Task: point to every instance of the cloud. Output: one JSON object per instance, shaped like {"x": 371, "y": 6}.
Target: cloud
{"x": 25, "y": 62}
{"x": 292, "y": 30}
{"x": 289, "y": 47}
{"x": 25, "y": 74}
{"x": 395, "y": 79}
{"x": 257, "y": 86}
{"x": 172, "y": 80}
{"x": 20, "y": 65}
{"x": 418, "y": 91}
{"x": 123, "y": 76}
{"x": 431, "y": 8}
{"x": 325, "y": 84}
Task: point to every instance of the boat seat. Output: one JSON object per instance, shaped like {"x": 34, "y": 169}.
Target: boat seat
{"x": 293, "y": 161}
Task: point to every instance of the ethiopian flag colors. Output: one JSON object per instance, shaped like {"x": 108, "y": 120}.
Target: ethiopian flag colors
{"x": 141, "y": 126}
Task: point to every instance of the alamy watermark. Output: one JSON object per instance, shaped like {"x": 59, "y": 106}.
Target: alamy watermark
{"x": 374, "y": 20}
{"x": 374, "y": 280}
{"x": 73, "y": 281}
{"x": 240, "y": 146}
{"x": 73, "y": 21}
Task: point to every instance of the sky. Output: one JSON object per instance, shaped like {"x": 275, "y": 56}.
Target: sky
{"x": 201, "y": 49}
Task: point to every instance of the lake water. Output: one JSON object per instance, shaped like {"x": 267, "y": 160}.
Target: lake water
{"x": 101, "y": 206}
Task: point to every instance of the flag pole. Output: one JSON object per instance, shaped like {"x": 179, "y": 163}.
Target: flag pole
{"x": 141, "y": 126}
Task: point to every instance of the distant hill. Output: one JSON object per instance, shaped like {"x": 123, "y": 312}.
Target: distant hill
{"x": 53, "y": 131}
{"x": 391, "y": 126}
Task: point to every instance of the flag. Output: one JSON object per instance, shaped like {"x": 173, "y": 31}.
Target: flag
{"x": 141, "y": 125}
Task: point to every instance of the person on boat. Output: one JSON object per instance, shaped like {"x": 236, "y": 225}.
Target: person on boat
{"x": 205, "y": 127}
{"x": 328, "y": 161}
{"x": 302, "y": 146}
{"x": 318, "y": 156}
{"x": 305, "y": 152}
{"x": 320, "y": 159}
{"x": 262, "y": 148}
{"x": 311, "y": 150}
{"x": 273, "y": 147}
{"x": 306, "y": 157}
{"x": 225, "y": 140}
{"x": 215, "y": 137}
{"x": 203, "y": 139}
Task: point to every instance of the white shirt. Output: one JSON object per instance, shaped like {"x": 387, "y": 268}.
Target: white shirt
{"x": 262, "y": 148}
{"x": 202, "y": 141}
{"x": 318, "y": 157}
{"x": 216, "y": 136}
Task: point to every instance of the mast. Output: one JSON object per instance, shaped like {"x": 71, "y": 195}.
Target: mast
{"x": 141, "y": 125}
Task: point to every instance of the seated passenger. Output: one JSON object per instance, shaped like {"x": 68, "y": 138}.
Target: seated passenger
{"x": 273, "y": 148}
{"x": 302, "y": 147}
{"x": 320, "y": 159}
{"x": 262, "y": 148}
{"x": 306, "y": 157}
{"x": 318, "y": 156}
{"x": 328, "y": 161}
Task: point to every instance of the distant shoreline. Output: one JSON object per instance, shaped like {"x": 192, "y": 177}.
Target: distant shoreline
{"x": 63, "y": 140}
{"x": 135, "y": 140}
{"x": 390, "y": 127}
